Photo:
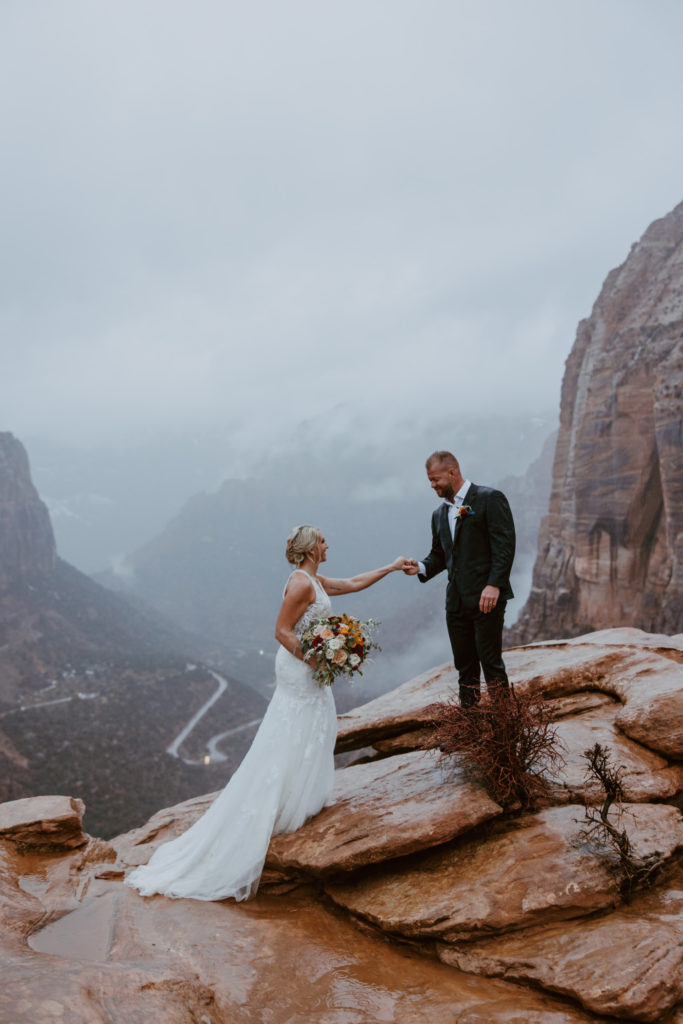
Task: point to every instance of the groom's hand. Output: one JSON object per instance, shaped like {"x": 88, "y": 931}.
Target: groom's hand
{"x": 489, "y": 598}
{"x": 411, "y": 567}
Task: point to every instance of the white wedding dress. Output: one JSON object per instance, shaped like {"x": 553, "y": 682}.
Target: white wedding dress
{"x": 286, "y": 777}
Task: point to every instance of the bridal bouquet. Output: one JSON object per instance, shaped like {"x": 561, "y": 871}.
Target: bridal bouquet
{"x": 343, "y": 642}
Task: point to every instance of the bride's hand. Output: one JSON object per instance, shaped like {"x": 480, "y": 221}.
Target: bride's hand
{"x": 402, "y": 564}
{"x": 314, "y": 659}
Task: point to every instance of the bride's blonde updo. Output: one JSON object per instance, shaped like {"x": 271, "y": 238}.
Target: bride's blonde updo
{"x": 300, "y": 543}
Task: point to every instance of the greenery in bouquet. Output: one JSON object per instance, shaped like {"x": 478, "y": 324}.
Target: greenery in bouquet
{"x": 342, "y": 644}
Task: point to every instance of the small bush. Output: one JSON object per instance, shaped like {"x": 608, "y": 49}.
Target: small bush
{"x": 508, "y": 739}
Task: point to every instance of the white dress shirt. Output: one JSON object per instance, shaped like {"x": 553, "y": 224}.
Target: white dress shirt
{"x": 453, "y": 506}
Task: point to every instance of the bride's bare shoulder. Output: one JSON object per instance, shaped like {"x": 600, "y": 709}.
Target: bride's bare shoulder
{"x": 299, "y": 584}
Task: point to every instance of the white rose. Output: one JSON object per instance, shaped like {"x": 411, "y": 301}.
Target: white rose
{"x": 354, "y": 660}
{"x": 336, "y": 643}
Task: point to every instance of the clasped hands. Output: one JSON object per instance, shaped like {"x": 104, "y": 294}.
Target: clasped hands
{"x": 489, "y": 595}
{"x": 405, "y": 564}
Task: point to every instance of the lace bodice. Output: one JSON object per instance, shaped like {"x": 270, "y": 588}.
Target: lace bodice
{"x": 320, "y": 608}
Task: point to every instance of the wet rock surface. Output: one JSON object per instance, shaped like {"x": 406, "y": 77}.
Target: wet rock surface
{"x": 531, "y": 870}
{"x": 563, "y": 668}
{"x": 646, "y": 775}
{"x": 283, "y": 959}
{"x": 383, "y": 810}
{"x": 414, "y": 897}
{"x": 642, "y": 674}
{"x": 628, "y": 963}
{"x": 395, "y": 712}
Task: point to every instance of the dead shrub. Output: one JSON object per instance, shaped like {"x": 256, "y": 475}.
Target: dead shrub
{"x": 602, "y": 826}
{"x": 508, "y": 739}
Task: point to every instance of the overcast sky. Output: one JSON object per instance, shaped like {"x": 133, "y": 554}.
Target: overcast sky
{"x": 241, "y": 214}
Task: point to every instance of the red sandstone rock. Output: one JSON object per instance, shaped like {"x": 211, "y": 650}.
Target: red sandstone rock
{"x": 655, "y": 718}
{"x": 578, "y": 703}
{"x": 287, "y": 960}
{"x": 649, "y": 683}
{"x": 551, "y": 670}
{"x": 646, "y": 677}
{"x": 395, "y": 712}
{"x": 382, "y": 810}
{"x": 529, "y": 871}
{"x": 628, "y": 963}
{"x": 43, "y": 820}
{"x": 416, "y": 739}
{"x": 630, "y": 636}
{"x": 610, "y": 550}
{"x": 646, "y": 776}
{"x": 20, "y": 912}
{"x": 136, "y": 847}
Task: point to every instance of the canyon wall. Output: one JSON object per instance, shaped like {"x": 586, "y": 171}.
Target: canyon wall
{"x": 610, "y": 549}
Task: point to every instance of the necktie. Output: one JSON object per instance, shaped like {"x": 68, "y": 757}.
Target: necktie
{"x": 457, "y": 502}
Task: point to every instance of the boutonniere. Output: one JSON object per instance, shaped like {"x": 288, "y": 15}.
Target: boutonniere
{"x": 464, "y": 511}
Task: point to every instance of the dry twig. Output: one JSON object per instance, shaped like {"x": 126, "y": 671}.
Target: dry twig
{"x": 602, "y": 826}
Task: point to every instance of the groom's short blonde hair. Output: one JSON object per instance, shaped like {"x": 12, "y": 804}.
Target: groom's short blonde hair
{"x": 300, "y": 541}
{"x": 442, "y": 457}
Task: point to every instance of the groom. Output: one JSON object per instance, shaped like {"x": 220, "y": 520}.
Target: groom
{"x": 473, "y": 538}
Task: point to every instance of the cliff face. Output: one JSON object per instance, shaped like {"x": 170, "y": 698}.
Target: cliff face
{"x": 27, "y": 544}
{"x": 611, "y": 547}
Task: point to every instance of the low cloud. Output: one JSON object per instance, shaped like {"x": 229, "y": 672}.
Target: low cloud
{"x": 232, "y": 217}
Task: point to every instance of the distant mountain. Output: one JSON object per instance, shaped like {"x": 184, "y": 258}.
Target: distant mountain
{"x": 93, "y": 689}
{"x": 27, "y": 545}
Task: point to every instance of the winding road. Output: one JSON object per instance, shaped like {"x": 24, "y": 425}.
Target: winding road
{"x": 213, "y": 753}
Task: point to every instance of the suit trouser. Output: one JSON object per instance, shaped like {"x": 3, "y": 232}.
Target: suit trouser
{"x": 477, "y": 643}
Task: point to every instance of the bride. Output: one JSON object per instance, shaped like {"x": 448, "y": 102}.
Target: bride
{"x": 288, "y": 772}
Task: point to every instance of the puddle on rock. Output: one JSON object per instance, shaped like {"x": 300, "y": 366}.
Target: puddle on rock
{"x": 83, "y": 934}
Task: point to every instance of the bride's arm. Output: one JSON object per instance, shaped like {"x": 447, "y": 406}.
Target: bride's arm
{"x": 363, "y": 580}
{"x": 298, "y": 595}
